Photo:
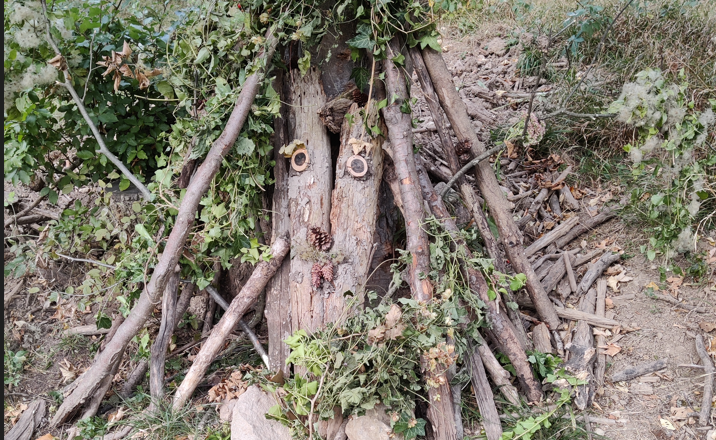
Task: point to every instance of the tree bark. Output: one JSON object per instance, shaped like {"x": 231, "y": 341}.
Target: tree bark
{"x": 161, "y": 342}
{"x": 487, "y": 182}
{"x": 600, "y": 309}
{"x": 87, "y": 384}
{"x": 585, "y": 225}
{"x": 309, "y": 199}
{"x": 252, "y": 289}
{"x": 596, "y": 270}
{"x": 278, "y": 296}
{"x": 354, "y": 211}
{"x": 401, "y": 138}
{"x": 485, "y": 398}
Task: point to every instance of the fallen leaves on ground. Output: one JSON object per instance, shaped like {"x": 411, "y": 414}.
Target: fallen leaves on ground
{"x": 614, "y": 281}
{"x": 46, "y": 437}
{"x": 652, "y": 285}
{"x": 117, "y": 415}
{"x": 707, "y": 326}
{"x": 12, "y": 413}
{"x": 229, "y": 388}
{"x": 674, "y": 284}
{"x": 69, "y": 373}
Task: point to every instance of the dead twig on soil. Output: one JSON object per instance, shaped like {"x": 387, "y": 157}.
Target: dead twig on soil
{"x": 638, "y": 370}
{"x": 705, "y": 414}
{"x": 17, "y": 216}
{"x": 86, "y": 260}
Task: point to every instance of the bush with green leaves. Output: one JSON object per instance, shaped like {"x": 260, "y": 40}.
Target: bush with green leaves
{"x": 13, "y": 362}
{"x": 44, "y": 130}
{"x": 674, "y": 163}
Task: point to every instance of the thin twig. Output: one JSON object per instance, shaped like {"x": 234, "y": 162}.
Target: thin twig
{"x": 313, "y": 403}
{"x": 76, "y": 98}
{"x": 543, "y": 63}
{"x": 84, "y": 260}
{"x": 91, "y": 66}
{"x": 469, "y": 166}
{"x": 564, "y": 111}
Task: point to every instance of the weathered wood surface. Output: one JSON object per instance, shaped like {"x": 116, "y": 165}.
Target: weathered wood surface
{"x": 551, "y": 236}
{"x": 709, "y": 378}
{"x": 638, "y": 370}
{"x": 585, "y": 225}
{"x": 484, "y": 397}
{"x": 600, "y": 310}
{"x": 278, "y": 295}
{"x": 309, "y": 198}
{"x": 28, "y": 422}
{"x": 595, "y": 270}
{"x": 582, "y": 355}
{"x": 354, "y": 211}
{"x": 540, "y": 337}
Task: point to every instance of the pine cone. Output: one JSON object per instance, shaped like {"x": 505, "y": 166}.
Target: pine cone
{"x": 359, "y": 97}
{"x": 319, "y": 239}
{"x": 316, "y": 276}
{"x": 327, "y": 272}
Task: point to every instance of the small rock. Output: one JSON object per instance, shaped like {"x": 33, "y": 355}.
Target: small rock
{"x": 226, "y": 410}
{"x": 497, "y": 46}
{"x": 599, "y": 431}
{"x": 249, "y": 420}
{"x": 367, "y": 428}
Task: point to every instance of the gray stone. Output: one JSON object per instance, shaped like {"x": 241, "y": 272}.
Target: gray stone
{"x": 249, "y": 420}
{"x": 367, "y": 428}
{"x": 226, "y": 410}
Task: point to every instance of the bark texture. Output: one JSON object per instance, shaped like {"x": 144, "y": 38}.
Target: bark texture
{"x": 161, "y": 342}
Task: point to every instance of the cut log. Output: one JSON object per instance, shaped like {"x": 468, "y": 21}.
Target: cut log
{"x": 709, "y": 377}
{"x": 600, "y": 310}
{"x": 570, "y": 272}
{"x": 309, "y": 199}
{"x": 162, "y": 340}
{"x": 252, "y": 289}
{"x": 500, "y": 377}
{"x": 354, "y": 211}
{"x": 585, "y": 225}
{"x": 90, "y": 381}
{"x": 28, "y": 422}
{"x": 551, "y": 236}
{"x": 511, "y": 237}
{"x": 540, "y": 337}
{"x": 595, "y": 271}
{"x": 534, "y": 207}
{"x": 554, "y": 205}
{"x": 484, "y": 397}
{"x": 506, "y": 334}
{"x": 278, "y": 296}
{"x": 589, "y": 318}
{"x": 638, "y": 370}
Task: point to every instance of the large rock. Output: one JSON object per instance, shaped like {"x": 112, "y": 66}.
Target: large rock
{"x": 374, "y": 425}
{"x": 249, "y": 420}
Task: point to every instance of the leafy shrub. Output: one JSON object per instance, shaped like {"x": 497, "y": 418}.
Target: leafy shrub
{"x": 670, "y": 158}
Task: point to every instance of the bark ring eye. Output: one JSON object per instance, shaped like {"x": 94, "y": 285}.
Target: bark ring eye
{"x": 357, "y": 166}
{"x": 299, "y": 159}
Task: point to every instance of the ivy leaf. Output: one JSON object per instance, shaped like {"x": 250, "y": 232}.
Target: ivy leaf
{"x": 304, "y": 63}
{"x": 123, "y": 184}
{"x": 165, "y": 89}
{"x": 361, "y": 41}
{"x": 399, "y": 60}
{"x": 203, "y": 55}
{"x": 244, "y": 145}
{"x": 432, "y": 41}
{"x": 361, "y": 76}
{"x": 518, "y": 281}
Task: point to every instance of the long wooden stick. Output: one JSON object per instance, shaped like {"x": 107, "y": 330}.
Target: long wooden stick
{"x": 161, "y": 342}
{"x": 511, "y": 237}
{"x": 87, "y": 384}
{"x": 601, "y": 363}
{"x": 241, "y": 303}
{"x": 484, "y": 397}
{"x": 709, "y": 378}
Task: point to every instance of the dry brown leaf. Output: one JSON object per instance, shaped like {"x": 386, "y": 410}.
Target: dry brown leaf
{"x": 143, "y": 81}
{"x": 117, "y": 415}
{"x": 126, "y": 50}
{"x": 616, "y": 269}
{"x": 680, "y": 413}
{"x": 609, "y": 303}
{"x": 674, "y": 284}
{"x": 393, "y": 316}
{"x": 68, "y": 371}
{"x": 126, "y": 71}
{"x": 652, "y": 285}
{"x": 707, "y": 326}
{"x": 376, "y": 335}
{"x": 603, "y": 244}
{"x": 153, "y": 73}
{"x": 611, "y": 349}
{"x": 58, "y": 62}
{"x": 46, "y": 437}
{"x": 117, "y": 81}
{"x": 395, "y": 332}
{"x": 613, "y": 283}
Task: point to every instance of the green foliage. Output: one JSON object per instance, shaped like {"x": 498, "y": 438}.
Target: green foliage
{"x": 44, "y": 130}
{"x": 92, "y": 427}
{"x": 13, "y": 362}
{"x": 672, "y": 164}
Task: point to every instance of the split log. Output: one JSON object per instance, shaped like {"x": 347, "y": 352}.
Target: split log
{"x": 401, "y": 139}
{"x": 582, "y": 356}
{"x": 585, "y": 225}
{"x": 354, "y": 212}
{"x": 162, "y": 340}
{"x": 88, "y": 383}
{"x": 554, "y": 205}
{"x": 500, "y": 377}
{"x": 540, "y": 337}
{"x": 570, "y": 272}
{"x": 566, "y": 193}
{"x": 28, "y": 422}
{"x": 534, "y": 207}
{"x": 589, "y": 318}
{"x": 595, "y": 271}
{"x": 502, "y": 327}
{"x": 252, "y": 289}
{"x": 551, "y": 236}
{"x": 484, "y": 397}
{"x": 278, "y": 296}
{"x": 557, "y": 272}
{"x": 601, "y": 362}
{"x": 309, "y": 199}
{"x": 511, "y": 237}
{"x": 638, "y": 370}
{"x": 709, "y": 377}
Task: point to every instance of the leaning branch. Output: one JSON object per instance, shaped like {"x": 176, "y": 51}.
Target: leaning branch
{"x": 80, "y": 105}
{"x": 469, "y": 166}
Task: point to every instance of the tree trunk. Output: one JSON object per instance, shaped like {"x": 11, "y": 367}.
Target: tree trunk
{"x": 309, "y": 199}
